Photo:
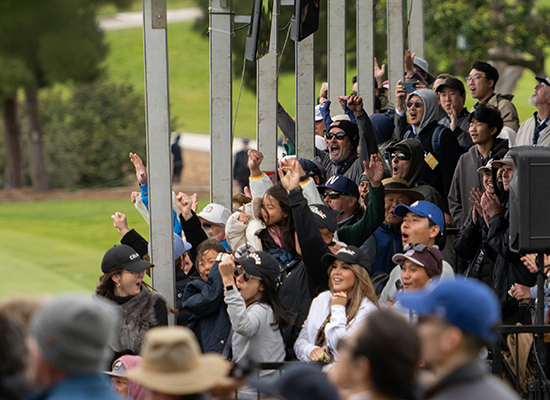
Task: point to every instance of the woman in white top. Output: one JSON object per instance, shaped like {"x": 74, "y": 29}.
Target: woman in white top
{"x": 336, "y": 313}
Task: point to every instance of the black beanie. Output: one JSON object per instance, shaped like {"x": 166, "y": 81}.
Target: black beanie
{"x": 351, "y": 130}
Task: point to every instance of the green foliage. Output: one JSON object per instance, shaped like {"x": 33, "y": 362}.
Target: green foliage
{"x": 89, "y": 135}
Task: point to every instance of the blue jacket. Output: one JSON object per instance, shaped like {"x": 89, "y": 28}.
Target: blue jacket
{"x": 210, "y": 321}
{"x": 145, "y": 199}
{"x": 93, "y": 386}
{"x": 381, "y": 246}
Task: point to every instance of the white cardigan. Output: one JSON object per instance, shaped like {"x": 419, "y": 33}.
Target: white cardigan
{"x": 337, "y": 328}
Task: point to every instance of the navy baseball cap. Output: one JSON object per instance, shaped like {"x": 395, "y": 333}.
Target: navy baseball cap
{"x": 260, "y": 264}
{"x": 424, "y": 209}
{"x": 342, "y": 184}
{"x": 325, "y": 217}
{"x": 123, "y": 257}
{"x": 351, "y": 255}
{"x": 467, "y": 304}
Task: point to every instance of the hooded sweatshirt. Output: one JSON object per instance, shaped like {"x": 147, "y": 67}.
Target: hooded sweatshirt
{"x": 416, "y": 170}
{"x": 441, "y": 175}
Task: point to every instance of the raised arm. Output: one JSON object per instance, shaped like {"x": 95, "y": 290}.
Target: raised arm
{"x": 369, "y": 145}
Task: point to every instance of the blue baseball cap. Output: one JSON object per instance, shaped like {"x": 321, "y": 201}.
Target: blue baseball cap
{"x": 424, "y": 209}
{"x": 180, "y": 246}
{"x": 465, "y": 303}
{"x": 342, "y": 184}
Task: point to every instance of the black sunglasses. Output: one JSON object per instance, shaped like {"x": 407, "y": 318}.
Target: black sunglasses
{"x": 419, "y": 247}
{"x": 206, "y": 225}
{"x": 400, "y": 156}
{"x": 339, "y": 135}
{"x": 416, "y": 104}
{"x": 333, "y": 195}
{"x": 246, "y": 276}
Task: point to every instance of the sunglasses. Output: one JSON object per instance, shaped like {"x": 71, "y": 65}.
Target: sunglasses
{"x": 333, "y": 195}
{"x": 419, "y": 247}
{"x": 246, "y": 276}
{"x": 400, "y": 156}
{"x": 206, "y": 225}
{"x": 416, "y": 104}
{"x": 339, "y": 135}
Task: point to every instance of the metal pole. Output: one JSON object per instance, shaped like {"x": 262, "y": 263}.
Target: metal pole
{"x": 157, "y": 107}
{"x": 416, "y": 27}
{"x": 395, "y": 44}
{"x": 221, "y": 100}
{"x": 336, "y": 53}
{"x": 365, "y": 53}
{"x": 305, "y": 98}
{"x": 266, "y": 100}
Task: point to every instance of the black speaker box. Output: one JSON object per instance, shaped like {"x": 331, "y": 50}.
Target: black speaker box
{"x": 529, "y": 202}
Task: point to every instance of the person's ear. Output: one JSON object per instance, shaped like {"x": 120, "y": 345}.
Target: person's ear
{"x": 261, "y": 288}
{"x": 316, "y": 179}
{"x": 116, "y": 278}
{"x": 493, "y": 131}
{"x": 352, "y": 200}
{"x": 451, "y": 339}
{"x": 434, "y": 231}
{"x": 363, "y": 370}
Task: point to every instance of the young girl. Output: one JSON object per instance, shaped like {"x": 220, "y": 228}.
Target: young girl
{"x": 337, "y": 312}
{"x": 269, "y": 229}
{"x": 254, "y": 309}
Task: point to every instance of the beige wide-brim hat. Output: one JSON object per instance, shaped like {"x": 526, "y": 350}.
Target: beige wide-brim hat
{"x": 173, "y": 363}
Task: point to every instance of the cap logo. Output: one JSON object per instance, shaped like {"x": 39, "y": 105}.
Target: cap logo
{"x": 315, "y": 210}
{"x": 332, "y": 180}
{"x": 256, "y": 257}
{"x": 207, "y": 209}
{"x": 415, "y": 204}
{"x": 347, "y": 251}
{"x": 409, "y": 253}
{"x": 118, "y": 366}
{"x": 134, "y": 256}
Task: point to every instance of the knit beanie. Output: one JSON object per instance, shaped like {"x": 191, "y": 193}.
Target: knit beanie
{"x": 350, "y": 129}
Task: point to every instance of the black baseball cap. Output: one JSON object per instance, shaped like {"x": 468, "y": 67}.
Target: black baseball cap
{"x": 325, "y": 217}
{"x": 349, "y": 254}
{"x": 123, "y": 257}
{"x": 452, "y": 82}
{"x": 260, "y": 264}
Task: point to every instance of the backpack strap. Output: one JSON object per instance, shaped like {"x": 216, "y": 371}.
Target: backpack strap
{"x": 436, "y": 139}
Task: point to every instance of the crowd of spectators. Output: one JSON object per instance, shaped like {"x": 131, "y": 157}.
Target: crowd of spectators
{"x": 338, "y": 263}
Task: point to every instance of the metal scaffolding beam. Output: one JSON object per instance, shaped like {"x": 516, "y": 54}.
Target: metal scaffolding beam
{"x": 336, "y": 53}
{"x": 365, "y": 53}
{"x": 395, "y": 44}
{"x": 305, "y": 98}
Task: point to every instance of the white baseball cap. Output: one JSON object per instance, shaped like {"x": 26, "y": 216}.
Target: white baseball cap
{"x": 215, "y": 213}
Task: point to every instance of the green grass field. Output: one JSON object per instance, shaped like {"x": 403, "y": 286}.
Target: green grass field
{"x": 57, "y": 246}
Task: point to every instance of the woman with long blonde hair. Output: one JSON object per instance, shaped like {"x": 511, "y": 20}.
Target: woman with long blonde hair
{"x": 337, "y": 312}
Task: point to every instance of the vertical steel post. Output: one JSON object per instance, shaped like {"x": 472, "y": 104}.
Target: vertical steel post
{"x": 416, "y": 27}
{"x": 336, "y": 53}
{"x": 305, "y": 98}
{"x": 221, "y": 100}
{"x": 266, "y": 99}
{"x": 395, "y": 44}
{"x": 157, "y": 107}
{"x": 365, "y": 53}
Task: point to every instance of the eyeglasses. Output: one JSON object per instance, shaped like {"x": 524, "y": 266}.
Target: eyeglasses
{"x": 339, "y": 135}
{"x": 333, "y": 195}
{"x": 416, "y": 104}
{"x": 474, "y": 78}
{"x": 206, "y": 225}
{"x": 419, "y": 247}
{"x": 246, "y": 276}
{"x": 400, "y": 156}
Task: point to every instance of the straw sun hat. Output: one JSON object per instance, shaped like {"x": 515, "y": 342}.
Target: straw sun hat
{"x": 173, "y": 364}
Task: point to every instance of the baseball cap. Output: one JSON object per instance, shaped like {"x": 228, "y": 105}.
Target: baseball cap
{"x": 325, "y": 217}
{"x": 260, "y": 264}
{"x": 215, "y": 213}
{"x": 299, "y": 382}
{"x": 486, "y": 167}
{"x": 506, "y": 160}
{"x": 424, "y": 66}
{"x": 543, "y": 80}
{"x": 349, "y": 254}
{"x": 318, "y": 116}
{"x": 180, "y": 246}
{"x": 123, "y": 257}
{"x": 468, "y": 304}
{"x": 424, "y": 209}
{"x": 314, "y": 167}
{"x": 425, "y": 256}
{"x": 342, "y": 184}
{"x": 118, "y": 370}
{"x": 452, "y": 82}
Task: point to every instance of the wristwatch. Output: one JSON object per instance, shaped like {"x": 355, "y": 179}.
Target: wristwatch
{"x": 229, "y": 287}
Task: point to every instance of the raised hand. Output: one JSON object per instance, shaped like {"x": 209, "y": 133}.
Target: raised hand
{"x": 120, "y": 223}
{"x": 141, "y": 172}
{"x": 355, "y": 104}
{"x": 400, "y": 96}
{"x": 227, "y": 269}
{"x": 194, "y": 202}
{"x": 184, "y": 203}
{"x": 477, "y": 211}
{"x": 291, "y": 179}
{"x": 374, "y": 170}
{"x": 339, "y": 299}
{"x": 134, "y": 196}
{"x": 379, "y": 73}
{"x": 255, "y": 159}
{"x": 409, "y": 61}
